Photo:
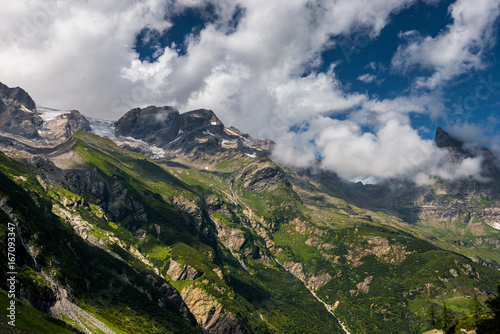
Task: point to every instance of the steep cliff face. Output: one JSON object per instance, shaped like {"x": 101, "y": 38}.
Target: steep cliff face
{"x": 18, "y": 113}
{"x": 179, "y": 272}
{"x": 156, "y": 126}
{"x": 16, "y": 96}
{"x": 209, "y": 312}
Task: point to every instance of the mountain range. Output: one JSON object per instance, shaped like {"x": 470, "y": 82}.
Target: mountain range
{"x": 163, "y": 222}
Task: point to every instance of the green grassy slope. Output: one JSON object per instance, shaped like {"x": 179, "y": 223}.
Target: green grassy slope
{"x": 30, "y": 320}
{"x": 382, "y": 276}
{"x": 257, "y": 240}
{"x": 173, "y": 219}
{"x": 100, "y": 283}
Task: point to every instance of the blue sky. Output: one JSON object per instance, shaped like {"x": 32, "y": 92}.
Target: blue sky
{"x": 363, "y": 84}
{"x": 373, "y": 57}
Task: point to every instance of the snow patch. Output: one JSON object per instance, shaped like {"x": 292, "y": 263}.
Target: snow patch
{"x": 231, "y": 132}
{"x": 23, "y": 107}
{"x": 103, "y": 128}
{"x": 251, "y": 144}
{"x": 251, "y": 155}
{"x": 49, "y": 114}
{"x": 106, "y": 128}
{"x": 213, "y": 123}
{"x": 210, "y": 133}
{"x": 176, "y": 139}
{"x": 496, "y": 225}
{"x": 157, "y": 152}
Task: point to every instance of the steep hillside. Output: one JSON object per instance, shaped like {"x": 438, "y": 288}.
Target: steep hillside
{"x": 460, "y": 215}
{"x": 377, "y": 277}
{"x": 131, "y": 210}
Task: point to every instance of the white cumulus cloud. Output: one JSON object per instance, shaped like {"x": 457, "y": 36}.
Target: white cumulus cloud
{"x": 457, "y": 49}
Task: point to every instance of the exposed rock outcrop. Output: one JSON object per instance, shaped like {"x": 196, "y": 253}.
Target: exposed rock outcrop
{"x": 443, "y": 139}
{"x": 460, "y": 150}
{"x": 16, "y": 95}
{"x": 173, "y": 295}
{"x": 18, "y": 114}
{"x": 158, "y": 126}
{"x": 262, "y": 175}
{"x": 63, "y": 126}
{"x": 209, "y": 313}
{"x": 313, "y": 282}
{"x": 182, "y": 272}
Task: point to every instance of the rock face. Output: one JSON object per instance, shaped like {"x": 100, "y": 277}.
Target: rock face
{"x": 173, "y": 295}
{"x": 460, "y": 151}
{"x": 262, "y": 175}
{"x": 209, "y": 313}
{"x": 16, "y": 95}
{"x": 158, "y": 126}
{"x": 180, "y": 272}
{"x": 63, "y": 126}
{"x": 18, "y": 113}
{"x": 19, "y": 116}
{"x": 443, "y": 139}
{"x": 201, "y": 120}
{"x": 194, "y": 131}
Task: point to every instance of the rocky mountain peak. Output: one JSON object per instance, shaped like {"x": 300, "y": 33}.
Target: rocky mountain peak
{"x": 201, "y": 120}
{"x": 19, "y": 115}
{"x": 459, "y": 151}
{"x": 19, "y": 95}
{"x": 154, "y": 125}
{"x": 444, "y": 139}
{"x": 196, "y": 130}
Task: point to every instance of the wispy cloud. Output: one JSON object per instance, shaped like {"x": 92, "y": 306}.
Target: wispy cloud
{"x": 370, "y": 78}
{"x": 457, "y": 49}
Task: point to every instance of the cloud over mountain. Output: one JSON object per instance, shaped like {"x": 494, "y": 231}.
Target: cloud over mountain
{"x": 257, "y": 64}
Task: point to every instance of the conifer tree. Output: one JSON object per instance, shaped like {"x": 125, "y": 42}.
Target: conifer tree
{"x": 491, "y": 325}
{"x": 432, "y": 316}
{"x": 446, "y": 317}
{"x": 476, "y": 309}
